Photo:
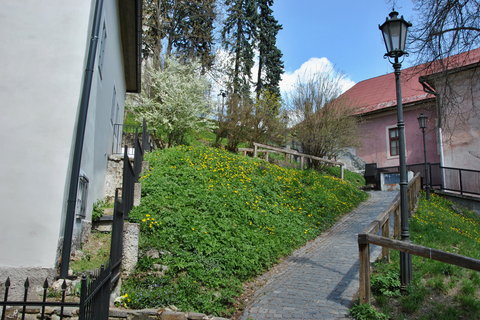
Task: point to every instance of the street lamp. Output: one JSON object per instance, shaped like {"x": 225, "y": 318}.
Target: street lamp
{"x": 394, "y": 31}
{"x": 422, "y": 122}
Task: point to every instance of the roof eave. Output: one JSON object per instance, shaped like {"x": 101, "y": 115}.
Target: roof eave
{"x": 391, "y": 108}
{"x": 130, "y": 16}
{"x": 434, "y": 76}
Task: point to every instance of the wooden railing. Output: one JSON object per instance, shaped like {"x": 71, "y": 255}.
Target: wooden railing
{"x": 263, "y": 148}
{"x": 382, "y": 224}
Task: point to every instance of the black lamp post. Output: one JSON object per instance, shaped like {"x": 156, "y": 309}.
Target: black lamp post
{"x": 394, "y": 31}
{"x": 422, "y": 122}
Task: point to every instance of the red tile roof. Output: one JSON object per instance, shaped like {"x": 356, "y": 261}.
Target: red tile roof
{"x": 379, "y": 93}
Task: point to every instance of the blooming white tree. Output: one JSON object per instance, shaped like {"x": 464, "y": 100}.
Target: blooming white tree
{"x": 173, "y": 101}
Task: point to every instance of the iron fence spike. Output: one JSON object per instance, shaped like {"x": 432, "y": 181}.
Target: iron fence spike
{"x": 7, "y": 283}
{"x": 64, "y": 284}
{"x": 27, "y": 283}
{"x": 45, "y": 284}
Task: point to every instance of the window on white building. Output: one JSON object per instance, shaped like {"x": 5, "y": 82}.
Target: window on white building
{"x": 82, "y": 193}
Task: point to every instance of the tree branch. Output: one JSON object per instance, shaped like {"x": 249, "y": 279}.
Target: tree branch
{"x": 438, "y": 33}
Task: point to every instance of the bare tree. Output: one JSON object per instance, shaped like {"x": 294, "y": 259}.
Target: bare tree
{"x": 446, "y": 28}
{"x": 326, "y": 125}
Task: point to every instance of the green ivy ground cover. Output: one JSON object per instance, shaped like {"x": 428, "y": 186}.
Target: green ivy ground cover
{"x": 220, "y": 219}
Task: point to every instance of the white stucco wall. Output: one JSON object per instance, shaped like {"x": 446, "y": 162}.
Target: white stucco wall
{"x": 461, "y": 130}
{"x": 43, "y": 45}
{"x": 99, "y": 132}
{"x": 461, "y": 127}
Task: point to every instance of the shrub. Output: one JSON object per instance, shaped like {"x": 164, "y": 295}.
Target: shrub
{"x": 366, "y": 312}
{"x": 98, "y": 207}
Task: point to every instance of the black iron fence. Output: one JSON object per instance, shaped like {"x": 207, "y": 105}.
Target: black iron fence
{"x": 126, "y": 135}
{"x": 463, "y": 181}
{"x": 94, "y": 297}
{"x": 131, "y": 174}
{"x": 459, "y": 180}
{"x": 20, "y": 306}
{"x": 128, "y": 184}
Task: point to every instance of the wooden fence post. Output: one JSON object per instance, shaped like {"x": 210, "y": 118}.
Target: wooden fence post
{"x": 302, "y": 159}
{"x": 254, "y": 150}
{"x": 397, "y": 223}
{"x": 342, "y": 172}
{"x": 386, "y": 234}
{"x": 364, "y": 271}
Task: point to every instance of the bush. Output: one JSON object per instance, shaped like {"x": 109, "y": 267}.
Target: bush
{"x": 366, "y": 312}
{"x": 387, "y": 283}
{"x": 98, "y": 207}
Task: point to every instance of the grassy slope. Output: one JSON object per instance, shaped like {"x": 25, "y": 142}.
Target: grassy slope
{"x": 221, "y": 219}
{"x": 438, "y": 290}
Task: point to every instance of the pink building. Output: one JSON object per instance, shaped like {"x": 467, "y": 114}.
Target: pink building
{"x": 450, "y": 99}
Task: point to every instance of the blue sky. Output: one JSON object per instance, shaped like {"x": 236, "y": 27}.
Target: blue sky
{"x": 341, "y": 32}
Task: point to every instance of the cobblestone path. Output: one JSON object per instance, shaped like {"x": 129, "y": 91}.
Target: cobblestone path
{"x": 319, "y": 280}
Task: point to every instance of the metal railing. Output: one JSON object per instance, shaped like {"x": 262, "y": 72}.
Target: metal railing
{"x": 131, "y": 174}
{"x": 25, "y": 303}
{"x": 463, "y": 181}
{"x": 459, "y": 180}
{"x": 95, "y": 286}
{"x": 125, "y": 134}
{"x": 128, "y": 184}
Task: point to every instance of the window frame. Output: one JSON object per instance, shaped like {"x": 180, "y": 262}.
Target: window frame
{"x": 389, "y": 142}
{"x": 82, "y": 196}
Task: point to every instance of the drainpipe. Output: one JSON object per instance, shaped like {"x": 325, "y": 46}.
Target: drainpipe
{"x": 429, "y": 89}
{"x": 79, "y": 137}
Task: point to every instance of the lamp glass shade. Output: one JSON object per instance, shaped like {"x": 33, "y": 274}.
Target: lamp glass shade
{"x": 422, "y": 121}
{"x": 394, "y": 31}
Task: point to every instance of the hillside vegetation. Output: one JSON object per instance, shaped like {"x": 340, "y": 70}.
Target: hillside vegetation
{"x": 210, "y": 220}
{"x": 438, "y": 290}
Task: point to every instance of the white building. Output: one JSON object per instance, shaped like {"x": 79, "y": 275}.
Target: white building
{"x": 45, "y": 51}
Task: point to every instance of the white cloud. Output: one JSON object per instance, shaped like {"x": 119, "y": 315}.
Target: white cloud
{"x": 307, "y": 70}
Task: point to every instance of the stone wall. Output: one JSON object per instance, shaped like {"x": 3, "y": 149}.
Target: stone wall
{"x": 113, "y": 177}
{"x": 36, "y": 277}
{"x": 53, "y": 313}
{"x": 351, "y": 160}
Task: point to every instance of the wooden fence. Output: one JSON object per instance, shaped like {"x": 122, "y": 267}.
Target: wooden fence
{"x": 263, "y": 148}
{"x": 382, "y": 225}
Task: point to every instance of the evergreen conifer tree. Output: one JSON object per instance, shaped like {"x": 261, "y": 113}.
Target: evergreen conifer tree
{"x": 238, "y": 35}
{"x": 270, "y": 64}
